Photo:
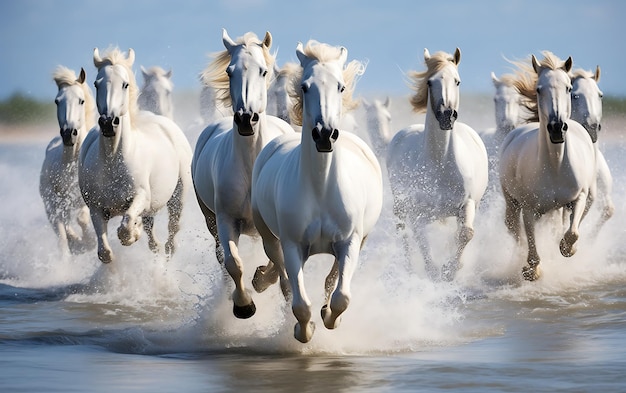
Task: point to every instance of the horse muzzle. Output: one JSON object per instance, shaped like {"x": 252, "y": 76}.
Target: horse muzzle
{"x": 556, "y": 130}
{"x": 324, "y": 138}
{"x": 69, "y": 136}
{"x": 246, "y": 122}
{"x": 592, "y": 130}
{"x": 108, "y": 125}
{"x": 446, "y": 118}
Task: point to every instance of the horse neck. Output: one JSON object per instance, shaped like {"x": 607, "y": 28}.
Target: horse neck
{"x": 436, "y": 140}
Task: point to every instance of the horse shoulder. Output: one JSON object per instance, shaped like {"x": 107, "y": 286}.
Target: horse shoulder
{"x": 363, "y": 150}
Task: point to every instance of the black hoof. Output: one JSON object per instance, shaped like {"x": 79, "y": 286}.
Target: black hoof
{"x": 244, "y": 312}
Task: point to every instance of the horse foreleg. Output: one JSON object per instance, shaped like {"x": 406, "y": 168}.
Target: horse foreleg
{"x": 424, "y": 246}
{"x": 300, "y": 303}
{"x": 465, "y": 233}
{"x": 100, "y": 222}
{"x": 567, "y": 246}
{"x": 531, "y": 272}
{"x": 129, "y": 230}
{"x": 88, "y": 237}
{"x": 512, "y": 216}
{"x": 347, "y": 258}
{"x": 229, "y": 232}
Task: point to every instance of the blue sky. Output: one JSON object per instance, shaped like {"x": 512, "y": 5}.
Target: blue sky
{"x": 38, "y": 35}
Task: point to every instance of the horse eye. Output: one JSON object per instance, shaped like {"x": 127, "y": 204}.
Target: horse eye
{"x": 458, "y": 82}
{"x": 568, "y": 90}
{"x": 342, "y": 88}
{"x": 263, "y": 73}
{"x": 125, "y": 85}
{"x": 575, "y": 96}
{"x": 601, "y": 95}
{"x": 81, "y": 101}
{"x": 56, "y": 101}
{"x": 230, "y": 70}
{"x": 429, "y": 83}
{"x": 304, "y": 87}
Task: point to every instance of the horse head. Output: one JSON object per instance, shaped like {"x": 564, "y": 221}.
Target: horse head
{"x": 322, "y": 85}
{"x": 443, "y": 89}
{"x": 70, "y": 102}
{"x": 248, "y": 73}
{"x": 507, "y": 103}
{"x": 587, "y": 101}
{"x": 115, "y": 89}
{"x": 156, "y": 93}
{"x": 553, "y": 96}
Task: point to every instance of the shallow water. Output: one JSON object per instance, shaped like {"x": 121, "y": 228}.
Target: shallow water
{"x": 150, "y": 324}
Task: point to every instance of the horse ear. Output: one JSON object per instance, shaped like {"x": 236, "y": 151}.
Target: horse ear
{"x": 96, "y": 57}
{"x": 387, "y": 102}
{"x": 597, "y": 75}
{"x": 457, "y": 56}
{"x": 568, "y": 64}
{"x": 131, "y": 56}
{"x": 267, "y": 41}
{"x": 144, "y": 72}
{"x": 169, "y": 73}
{"x": 494, "y": 78}
{"x": 301, "y": 56}
{"x": 536, "y": 65}
{"x": 343, "y": 56}
{"x": 82, "y": 76}
{"x": 426, "y": 54}
{"x": 228, "y": 42}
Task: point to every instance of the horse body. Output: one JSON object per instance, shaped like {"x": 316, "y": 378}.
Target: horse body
{"x": 319, "y": 191}
{"x": 133, "y": 164}
{"x": 58, "y": 183}
{"x": 227, "y": 149}
{"x": 587, "y": 110}
{"x": 545, "y": 165}
{"x": 438, "y": 169}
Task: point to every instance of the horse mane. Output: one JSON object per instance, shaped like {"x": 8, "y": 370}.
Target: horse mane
{"x": 64, "y": 76}
{"x": 324, "y": 53}
{"x": 114, "y": 56}
{"x": 214, "y": 75}
{"x": 419, "y": 80}
{"x": 580, "y": 73}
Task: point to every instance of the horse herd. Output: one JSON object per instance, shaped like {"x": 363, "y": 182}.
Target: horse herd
{"x": 299, "y": 180}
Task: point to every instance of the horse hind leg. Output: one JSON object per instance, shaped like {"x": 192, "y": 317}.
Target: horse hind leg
{"x": 148, "y": 226}
{"x": 174, "y": 209}
{"x": 211, "y": 223}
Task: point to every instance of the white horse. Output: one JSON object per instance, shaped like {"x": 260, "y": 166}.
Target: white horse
{"x": 587, "y": 110}
{"x": 549, "y": 164}
{"x": 378, "y": 124}
{"x": 133, "y": 163}
{"x": 58, "y": 182}
{"x": 156, "y": 93}
{"x": 438, "y": 169}
{"x": 226, "y": 151}
{"x": 319, "y": 191}
{"x": 278, "y": 100}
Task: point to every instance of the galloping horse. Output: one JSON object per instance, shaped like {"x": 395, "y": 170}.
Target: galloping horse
{"x": 133, "y": 163}
{"x": 437, "y": 169}
{"x": 587, "y": 110}
{"x": 226, "y": 150}
{"x": 58, "y": 182}
{"x": 319, "y": 191}
{"x": 548, "y": 164}
{"x": 156, "y": 93}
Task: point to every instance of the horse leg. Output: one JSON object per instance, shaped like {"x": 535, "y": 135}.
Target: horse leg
{"x": 531, "y": 272}
{"x": 174, "y": 209}
{"x": 60, "y": 230}
{"x": 300, "y": 303}
{"x": 100, "y": 221}
{"x": 129, "y": 230}
{"x": 512, "y": 215}
{"x": 88, "y": 237}
{"x": 402, "y": 232}
{"x": 465, "y": 233}
{"x": 148, "y": 227}
{"x": 211, "y": 223}
{"x": 424, "y": 246}
{"x": 229, "y": 232}
{"x": 264, "y": 276}
{"x": 347, "y": 259}
{"x": 580, "y": 206}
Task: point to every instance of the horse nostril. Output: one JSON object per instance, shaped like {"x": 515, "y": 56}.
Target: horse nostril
{"x": 116, "y": 121}
{"x": 255, "y": 117}
{"x": 599, "y": 127}
{"x": 75, "y": 132}
{"x": 564, "y": 128}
